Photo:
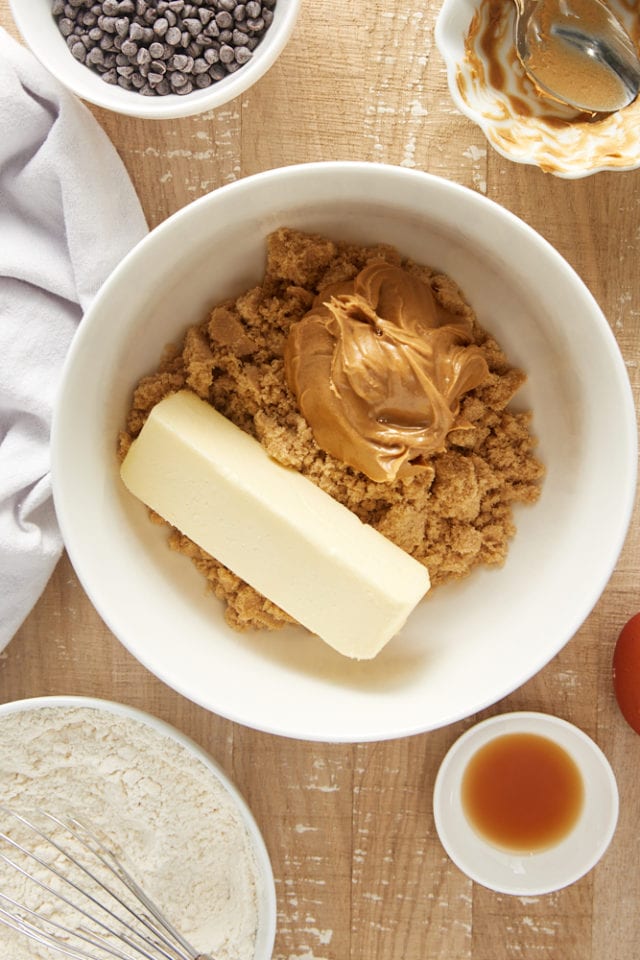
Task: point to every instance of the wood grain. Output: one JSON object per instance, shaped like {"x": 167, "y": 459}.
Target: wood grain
{"x": 360, "y": 872}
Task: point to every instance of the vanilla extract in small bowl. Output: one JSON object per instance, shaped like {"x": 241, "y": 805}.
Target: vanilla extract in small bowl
{"x": 525, "y": 803}
{"x": 522, "y": 792}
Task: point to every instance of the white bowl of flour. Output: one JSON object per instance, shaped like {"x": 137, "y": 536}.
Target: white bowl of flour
{"x": 179, "y": 824}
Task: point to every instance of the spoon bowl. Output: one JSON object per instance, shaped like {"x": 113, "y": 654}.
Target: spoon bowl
{"x": 577, "y": 52}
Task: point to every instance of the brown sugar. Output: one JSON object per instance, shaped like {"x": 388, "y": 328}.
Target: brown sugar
{"x": 453, "y": 516}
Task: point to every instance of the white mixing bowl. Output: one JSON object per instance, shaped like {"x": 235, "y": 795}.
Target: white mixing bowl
{"x": 471, "y": 642}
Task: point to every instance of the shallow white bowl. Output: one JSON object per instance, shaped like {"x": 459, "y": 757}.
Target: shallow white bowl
{"x": 40, "y": 32}
{"x": 568, "y": 149}
{"x": 469, "y": 643}
{"x": 265, "y": 885}
{"x": 536, "y": 873}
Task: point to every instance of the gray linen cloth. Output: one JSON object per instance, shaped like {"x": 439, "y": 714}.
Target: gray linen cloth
{"x": 68, "y": 214}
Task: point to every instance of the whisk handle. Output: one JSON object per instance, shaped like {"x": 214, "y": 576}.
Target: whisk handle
{"x": 203, "y": 956}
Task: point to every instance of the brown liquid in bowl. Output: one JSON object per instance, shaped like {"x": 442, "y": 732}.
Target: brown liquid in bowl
{"x": 522, "y": 792}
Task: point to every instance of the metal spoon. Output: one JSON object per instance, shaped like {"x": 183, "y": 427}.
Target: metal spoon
{"x": 577, "y": 52}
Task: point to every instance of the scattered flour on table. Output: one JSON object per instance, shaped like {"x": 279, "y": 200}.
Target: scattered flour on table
{"x": 175, "y": 826}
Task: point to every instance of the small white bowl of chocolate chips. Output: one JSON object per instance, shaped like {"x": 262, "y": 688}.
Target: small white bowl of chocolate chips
{"x": 160, "y": 59}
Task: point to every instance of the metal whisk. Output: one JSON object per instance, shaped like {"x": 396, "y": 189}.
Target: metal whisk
{"x": 79, "y": 875}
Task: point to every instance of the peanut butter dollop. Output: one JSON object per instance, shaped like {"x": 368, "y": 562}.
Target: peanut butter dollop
{"x": 378, "y": 369}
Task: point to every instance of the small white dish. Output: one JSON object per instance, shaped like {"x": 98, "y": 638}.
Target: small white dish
{"x": 40, "y": 32}
{"x": 527, "y": 874}
{"x": 488, "y": 85}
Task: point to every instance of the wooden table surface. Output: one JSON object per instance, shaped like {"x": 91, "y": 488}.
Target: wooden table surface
{"x": 359, "y": 869}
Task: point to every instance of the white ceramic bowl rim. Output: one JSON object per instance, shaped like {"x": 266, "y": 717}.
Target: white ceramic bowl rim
{"x": 296, "y": 709}
{"x": 548, "y": 870}
{"x": 266, "y": 894}
{"x": 35, "y": 22}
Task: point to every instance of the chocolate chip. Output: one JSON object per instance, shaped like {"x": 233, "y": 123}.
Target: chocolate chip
{"x": 224, "y": 19}
{"x": 65, "y": 26}
{"x": 193, "y": 26}
{"x": 178, "y": 62}
{"x": 136, "y": 31}
{"x": 95, "y": 57}
{"x": 174, "y": 36}
{"x": 78, "y": 51}
{"x": 243, "y": 55}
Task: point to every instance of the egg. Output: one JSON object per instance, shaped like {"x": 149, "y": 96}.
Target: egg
{"x": 626, "y": 672}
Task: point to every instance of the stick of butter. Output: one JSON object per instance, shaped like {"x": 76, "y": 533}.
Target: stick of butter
{"x": 272, "y": 527}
